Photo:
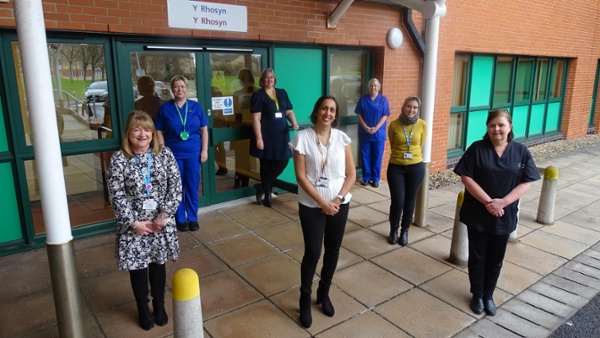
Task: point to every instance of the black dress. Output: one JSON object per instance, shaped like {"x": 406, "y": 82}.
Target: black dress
{"x": 274, "y": 127}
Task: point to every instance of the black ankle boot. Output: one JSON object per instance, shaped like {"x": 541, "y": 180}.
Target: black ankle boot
{"x": 305, "y": 315}
{"x": 259, "y": 192}
{"x": 403, "y": 237}
{"x": 160, "y": 315}
{"x": 268, "y": 202}
{"x": 323, "y": 299}
{"x": 144, "y": 314}
{"x": 393, "y": 237}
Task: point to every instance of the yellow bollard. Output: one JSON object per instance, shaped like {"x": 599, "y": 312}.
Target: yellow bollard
{"x": 545, "y": 213}
{"x": 459, "y": 249}
{"x": 187, "y": 305}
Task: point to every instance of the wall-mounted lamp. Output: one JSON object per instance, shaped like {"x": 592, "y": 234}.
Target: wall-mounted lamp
{"x": 394, "y": 38}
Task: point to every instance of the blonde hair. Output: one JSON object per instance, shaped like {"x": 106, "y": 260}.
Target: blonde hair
{"x": 138, "y": 118}
{"x": 178, "y": 78}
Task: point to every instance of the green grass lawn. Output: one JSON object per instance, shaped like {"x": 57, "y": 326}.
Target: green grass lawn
{"x": 75, "y": 87}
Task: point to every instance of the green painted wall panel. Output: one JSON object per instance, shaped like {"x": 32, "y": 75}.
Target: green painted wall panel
{"x": 552, "y": 117}
{"x": 519, "y": 121}
{"x": 299, "y": 71}
{"x": 11, "y": 222}
{"x": 476, "y": 127}
{"x": 536, "y": 123}
{"x": 481, "y": 81}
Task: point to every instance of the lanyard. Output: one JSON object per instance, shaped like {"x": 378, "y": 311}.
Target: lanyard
{"x": 274, "y": 99}
{"x": 147, "y": 183}
{"x": 408, "y": 138}
{"x": 183, "y": 120}
{"x": 324, "y": 159}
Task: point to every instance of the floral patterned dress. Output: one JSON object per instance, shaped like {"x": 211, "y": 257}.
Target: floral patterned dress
{"x": 127, "y": 193}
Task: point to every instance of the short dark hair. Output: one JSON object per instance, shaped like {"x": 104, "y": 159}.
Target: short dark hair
{"x": 492, "y": 114}
{"x": 315, "y": 112}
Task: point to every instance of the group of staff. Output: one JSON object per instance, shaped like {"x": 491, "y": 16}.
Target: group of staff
{"x": 155, "y": 178}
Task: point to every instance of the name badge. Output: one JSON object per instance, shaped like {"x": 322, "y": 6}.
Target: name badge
{"x": 150, "y": 204}
{"x": 323, "y": 182}
{"x": 278, "y": 115}
{"x": 408, "y": 155}
{"x": 184, "y": 135}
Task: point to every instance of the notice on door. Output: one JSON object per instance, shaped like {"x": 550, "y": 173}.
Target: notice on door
{"x": 207, "y": 16}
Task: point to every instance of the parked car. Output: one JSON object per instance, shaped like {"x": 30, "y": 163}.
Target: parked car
{"x": 97, "y": 91}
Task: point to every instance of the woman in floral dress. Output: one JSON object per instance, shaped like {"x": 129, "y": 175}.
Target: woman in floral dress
{"x": 145, "y": 190}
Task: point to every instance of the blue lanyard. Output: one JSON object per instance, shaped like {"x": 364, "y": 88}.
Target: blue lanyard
{"x": 147, "y": 183}
{"x": 408, "y": 138}
{"x": 181, "y": 118}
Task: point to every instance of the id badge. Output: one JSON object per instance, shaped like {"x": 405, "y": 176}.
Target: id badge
{"x": 184, "y": 135}
{"x": 408, "y": 155}
{"x": 278, "y": 115}
{"x": 323, "y": 182}
{"x": 150, "y": 204}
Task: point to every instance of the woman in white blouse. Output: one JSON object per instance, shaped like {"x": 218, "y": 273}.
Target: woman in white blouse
{"x": 325, "y": 173}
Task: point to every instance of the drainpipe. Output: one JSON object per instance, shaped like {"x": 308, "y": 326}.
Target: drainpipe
{"x": 338, "y": 12}
{"x": 432, "y": 12}
{"x": 31, "y": 33}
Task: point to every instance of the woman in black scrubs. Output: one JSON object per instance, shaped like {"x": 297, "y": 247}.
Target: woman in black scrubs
{"x": 271, "y": 109}
{"x": 496, "y": 172}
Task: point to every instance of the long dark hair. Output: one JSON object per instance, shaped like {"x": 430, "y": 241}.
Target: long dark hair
{"x": 498, "y": 112}
{"x": 315, "y": 112}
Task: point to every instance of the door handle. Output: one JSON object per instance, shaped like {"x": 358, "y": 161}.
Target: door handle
{"x": 208, "y": 112}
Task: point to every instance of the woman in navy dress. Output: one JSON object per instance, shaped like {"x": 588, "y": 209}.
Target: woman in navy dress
{"x": 183, "y": 127}
{"x": 496, "y": 172}
{"x": 271, "y": 109}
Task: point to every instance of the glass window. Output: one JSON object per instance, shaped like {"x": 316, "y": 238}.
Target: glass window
{"x": 81, "y": 92}
{"x": 455, "y": 131}
{"x": 503, "y": 79}
{"x": 87, "y": 196}
{"x": 459, "y": 85}
{"x": 347, "y": 79}
{"x": 557, "y": 78}
{"x": 523, "y": 81}
{"x": 541, "y": 78}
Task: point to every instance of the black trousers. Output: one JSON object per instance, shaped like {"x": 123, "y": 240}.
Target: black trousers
{"x": 269, "y": 171}
{"x": 319, "y": 229}
{"x": 404, "y": 182}
{"x": 486, "y": 255}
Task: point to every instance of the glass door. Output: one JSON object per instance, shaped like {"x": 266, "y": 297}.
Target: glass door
{"x": 222, "y": 82}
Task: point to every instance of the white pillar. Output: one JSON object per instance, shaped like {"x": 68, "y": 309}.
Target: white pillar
{"x": 46, "y": 145}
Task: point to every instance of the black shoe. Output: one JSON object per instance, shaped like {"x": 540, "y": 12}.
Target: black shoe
{"x": 375, "y": 184}
{"x": 477, "y": 305}
{"x": 183, "y": 226}
{"x": 403, "y": 237}
{"x": 160, "y": 315}
{"x": 268, "y": 202}
{"x": 490, "y": 307}
{"x": 259, "y": 192}
{"x": 364, "y": 183}
{"x": 325, "y": 302}
{"x": 393, "y": 237}
{"x": 305, "y": 315}
{"x": 144, "y": 314}
{"x": 194, "y": 226}
{"x": 222, "y": 171}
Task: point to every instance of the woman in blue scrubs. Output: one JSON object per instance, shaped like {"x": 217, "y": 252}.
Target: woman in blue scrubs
{"x": 182, "y": 126}
{"x": 496, "y": 172}
{"x": 372, "y": 110}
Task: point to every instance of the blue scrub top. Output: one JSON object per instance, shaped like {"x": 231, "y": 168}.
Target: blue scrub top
{"x": 372, "y": 111}
{"x": 168, "y": 121}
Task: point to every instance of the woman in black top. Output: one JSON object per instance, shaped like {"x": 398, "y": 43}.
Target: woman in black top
{"x": 271, "y": 109}
{"x": 496, "y": 172}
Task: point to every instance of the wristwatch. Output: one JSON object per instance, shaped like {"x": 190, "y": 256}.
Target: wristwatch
{"x": 342, "y": 199}
{"x": 163, "y": 216}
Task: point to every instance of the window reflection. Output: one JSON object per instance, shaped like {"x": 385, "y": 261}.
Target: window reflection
{"x": 503, "y": 79}
{"x": 87, "y": 196}
{"x": 347, "y": 80}
{"x": 81, "y": 92}
{"x": 461, "y": 68}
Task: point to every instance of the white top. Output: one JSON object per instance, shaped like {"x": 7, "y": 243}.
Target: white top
{"x": 305, "y": 142}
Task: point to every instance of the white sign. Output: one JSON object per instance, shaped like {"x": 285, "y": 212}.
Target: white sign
{"x": 224, "y": 103}
{"x": 207, "y": 15}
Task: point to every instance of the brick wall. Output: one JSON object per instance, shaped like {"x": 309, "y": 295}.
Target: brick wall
{"x": 554, "y": 28}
